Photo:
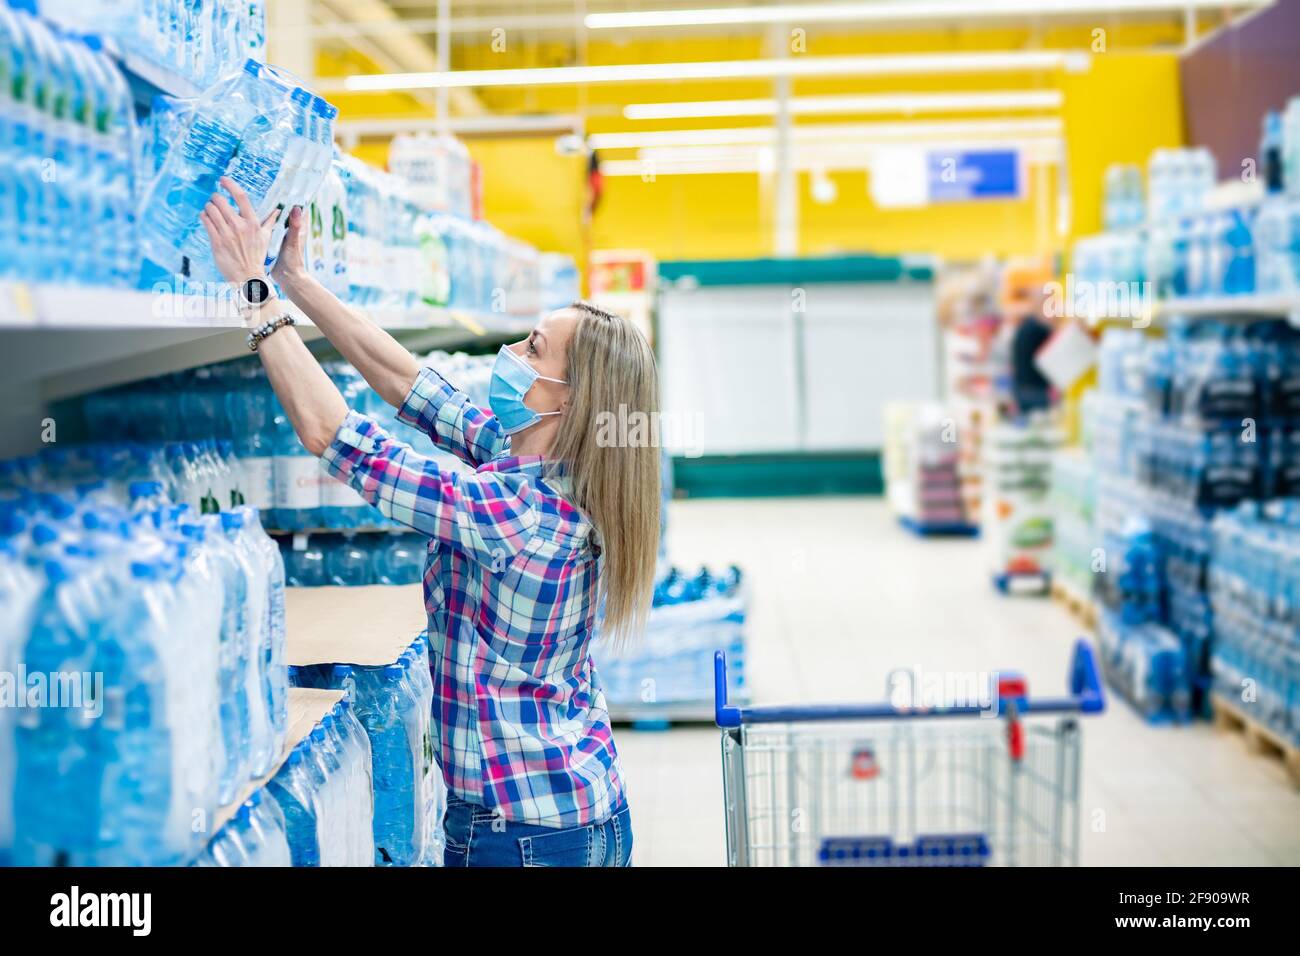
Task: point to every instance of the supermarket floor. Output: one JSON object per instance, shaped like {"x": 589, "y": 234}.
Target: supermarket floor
{"x": 841, "y": 596}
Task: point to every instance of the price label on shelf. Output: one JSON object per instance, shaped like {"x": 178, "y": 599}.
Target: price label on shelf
{"x": 17, "y": 304}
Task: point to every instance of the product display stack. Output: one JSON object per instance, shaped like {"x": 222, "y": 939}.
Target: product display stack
{"x": 1017, "y": 510}
{"x": 970, "y": 320}
{"x": 1074, "y": 557}
{"x": 922, "y": 462}
{"x": 1190, "y": 434}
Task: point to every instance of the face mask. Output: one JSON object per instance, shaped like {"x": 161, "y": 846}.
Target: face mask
{"x": 512, "y": 377}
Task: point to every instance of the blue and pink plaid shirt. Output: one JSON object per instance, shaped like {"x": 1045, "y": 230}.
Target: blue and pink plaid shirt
{"x": 510, "y": 588}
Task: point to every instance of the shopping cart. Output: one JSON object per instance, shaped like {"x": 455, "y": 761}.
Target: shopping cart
{"x": 878, "y": 785}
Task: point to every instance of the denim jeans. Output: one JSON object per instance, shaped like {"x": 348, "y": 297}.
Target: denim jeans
{"x": 476, "y": 836}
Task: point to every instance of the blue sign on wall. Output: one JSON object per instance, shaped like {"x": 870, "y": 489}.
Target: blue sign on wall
{"x": 962, "y": 175}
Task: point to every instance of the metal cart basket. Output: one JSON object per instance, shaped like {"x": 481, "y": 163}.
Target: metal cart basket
{"x": 879, "y": 785}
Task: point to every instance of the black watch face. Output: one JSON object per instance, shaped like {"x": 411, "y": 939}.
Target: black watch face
{"x": 256, "y": 291}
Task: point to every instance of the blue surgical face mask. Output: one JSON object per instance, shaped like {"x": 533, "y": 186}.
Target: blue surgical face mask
{"x": 512, "y": 377}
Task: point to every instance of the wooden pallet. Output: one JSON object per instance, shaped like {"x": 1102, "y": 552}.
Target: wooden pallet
{"x": 1082, "y": 608}
{"x": 1261, "y": 739}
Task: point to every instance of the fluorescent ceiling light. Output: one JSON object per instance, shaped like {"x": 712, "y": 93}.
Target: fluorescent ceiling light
{"x": 892, "y": 64}
{"x": 888, "y": 10}
{"x": 693, "y": 162}
{"x": 848, "y": 154}
{"x": 866, "y": 103}
{"x": 827, "y": 132}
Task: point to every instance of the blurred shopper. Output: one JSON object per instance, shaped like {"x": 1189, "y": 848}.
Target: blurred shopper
{"x": 1024, "y": 292}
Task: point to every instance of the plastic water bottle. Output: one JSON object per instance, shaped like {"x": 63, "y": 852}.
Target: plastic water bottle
{"x": 19, "y": 591}
{"x": 236, "y": 730}
{"x": 193, "y": 644}
{"x": 298, "y": 479}
{"x": 266, "y": 832}
{"x": 272, "y": 672}
{"x": 257, "y": 644}
{"x": 357, "y": 745}
{"x": 250, "y": 410}
{"x": 148, "y": 496}
{"x": 333, "y": 816}
{"x": 1291, "y": 147}
{"x": 398, "y": 559}
{"x": 379, "y": 691}
{"x": 159, "y": 788}
{"x": 348, "y": 563}
{"x": 341, "y": 506}
{"x": 299, "y": 801}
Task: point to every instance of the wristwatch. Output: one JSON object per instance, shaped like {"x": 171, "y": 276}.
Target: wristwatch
{"x": 251, "y": 294}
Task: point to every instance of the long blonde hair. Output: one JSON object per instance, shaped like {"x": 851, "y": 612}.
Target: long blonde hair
{"x": 611, "y": 373}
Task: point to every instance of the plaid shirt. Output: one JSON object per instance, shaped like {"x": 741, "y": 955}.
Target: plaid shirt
{"x": 510, "y": 588}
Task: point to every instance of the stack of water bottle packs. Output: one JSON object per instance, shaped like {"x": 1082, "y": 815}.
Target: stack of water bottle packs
{"x": 1139, "y": 655}
{"x": 1185, "y": 248}
{"x": 922, "y": 464}
{"x": 1254, "y": 586}
{"x": 256, "y": 125}
{"x": 231, "y": 408}
{"x": 150, "y": 643}
{"x": 318, "y": 810}
{"x": 692, "y": 616}
{"x": 394, "y": 705}
{"x": 1182, "y": 429}
{"x": 1073, "y": 499}
{"x": 66, "y": 142}
{"x": 196, "y": 41}
{"x": 354, "y": 560}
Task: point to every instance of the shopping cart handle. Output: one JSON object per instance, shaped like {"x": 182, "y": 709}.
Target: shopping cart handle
{"x": 1086, "y": 697}
{"x": 1085, "y": 679}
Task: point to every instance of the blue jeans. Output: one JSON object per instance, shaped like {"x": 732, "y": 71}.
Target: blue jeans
{"x": 476, "y": 836}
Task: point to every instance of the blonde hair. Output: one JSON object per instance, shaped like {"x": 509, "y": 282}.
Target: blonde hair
{"x": 611, "y": 372}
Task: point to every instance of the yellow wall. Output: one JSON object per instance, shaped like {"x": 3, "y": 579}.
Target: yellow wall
{"x": 1124, "y": 106}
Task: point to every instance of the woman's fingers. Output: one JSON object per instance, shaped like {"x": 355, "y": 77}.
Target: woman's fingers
{"x": 222, "y": 212}
{"x": 273, "y": 216}
{"x": 295, "y": 226}
{"x": 240, "y": 197}
{"x": 212, "y": 219}
{"x": 215, "y": 232}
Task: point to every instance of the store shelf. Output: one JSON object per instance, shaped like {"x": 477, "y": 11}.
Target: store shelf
{"x": 26, "y": 306}
{"x": 371, "y": 529}
{"x": 1244, "y": 306}
{"x": 73, "y": 339}
{"x": 307, "y": 707}
{"x": 366, "y": 626}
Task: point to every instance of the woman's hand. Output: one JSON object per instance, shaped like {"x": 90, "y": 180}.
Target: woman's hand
{"x": 239, "y": 240}
{"x": 290, "y": 269}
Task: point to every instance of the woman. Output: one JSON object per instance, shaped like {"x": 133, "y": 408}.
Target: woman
{"x": 551, "y": 524}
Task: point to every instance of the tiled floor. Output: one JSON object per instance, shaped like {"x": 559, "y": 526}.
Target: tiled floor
{"x": 841, "y": 596}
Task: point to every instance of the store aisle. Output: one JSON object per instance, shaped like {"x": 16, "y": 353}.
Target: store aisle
{"x": 841, "y": 596}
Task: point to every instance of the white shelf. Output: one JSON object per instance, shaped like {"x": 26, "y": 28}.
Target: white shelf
{"x": 28, "y": 306}
{"x": 152, "y": 78}
{"x": 1259, "y": 306}
{"x": 59, "y": 341}
{"x": 1227, "y": 307}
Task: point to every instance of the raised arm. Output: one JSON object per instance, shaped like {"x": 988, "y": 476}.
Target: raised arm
{"x": 381, "y": 359}
{"x": 312, "y": 402}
